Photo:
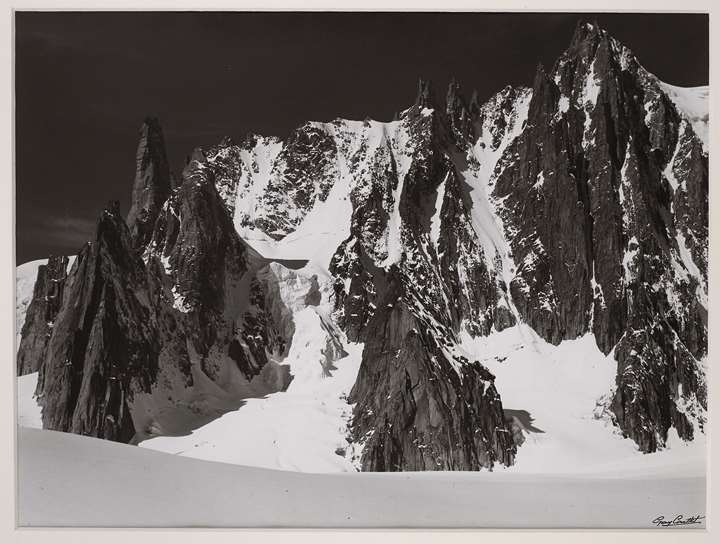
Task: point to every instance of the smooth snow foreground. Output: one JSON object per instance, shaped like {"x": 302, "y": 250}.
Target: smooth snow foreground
{"x": 71, "y": 480}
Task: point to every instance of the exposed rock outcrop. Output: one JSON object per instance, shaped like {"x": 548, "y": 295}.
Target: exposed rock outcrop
{"x": 596, "y": 218}
{"x": 412, "y": 274}
{"x": 152, "y": 182}
{"x": 102, "y": 348}
{"x": 41, "y": 313}
{"x": 163, "y": 341}
{"x": 418, "y": 408}
{"x": 461, "y": 118}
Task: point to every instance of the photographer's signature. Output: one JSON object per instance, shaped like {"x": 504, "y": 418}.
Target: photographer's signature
{"x": 677, "y": 521}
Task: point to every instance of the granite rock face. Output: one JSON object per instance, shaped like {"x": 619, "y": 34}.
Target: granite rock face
{"x": 418, "y": 409}
{"x": 101, "y": 349}
{"x": 163, "y": 340}
{"x": 152, "y": 181}
{"x": 594, "y": 194}
{"x": 412, "y": 275}
{"x": 41, "y": 314}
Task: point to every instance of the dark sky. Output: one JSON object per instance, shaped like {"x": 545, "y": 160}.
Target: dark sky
{"x": 85, "y": 81}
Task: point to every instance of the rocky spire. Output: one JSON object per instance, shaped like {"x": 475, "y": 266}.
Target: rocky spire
{"x": 175, "y": 181}
{"x": 544, "y": 96}
{"x": 587, "y": 38}
{"x": 599, "y": 137}
{"x": 474, "y": 105}
{"x": 454, "y": 103}
{"x": 404, "y": 377}
{"x": 101, "y": 349}
{"x": 586, "y": 31}
{"x": 152, "y": 182}
{"x": 41, "y": 314}
{"x": 540, "y": 77}
{"x": 424, "y": 97}
{"x": 195, "y": 296}
{"x": 457, "y": 113}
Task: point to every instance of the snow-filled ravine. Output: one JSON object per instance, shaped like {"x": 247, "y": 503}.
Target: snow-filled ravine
{"x": 298, "y": 429}
{"x": 303, "y": 428}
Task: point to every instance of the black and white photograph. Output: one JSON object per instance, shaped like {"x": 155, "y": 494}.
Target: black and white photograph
{"x": 361, "y": 269}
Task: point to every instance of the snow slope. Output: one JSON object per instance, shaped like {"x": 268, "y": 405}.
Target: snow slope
{"x": 299, "y": 429}
{"x": 327, "y": 224}
{"x": 693, "y": 103}
{"x": 114, "y": 484}
{"x": 28, "y": 410}
{"x": 303, "y": 427}
{"x": 317, "y": 237}
{"x": 559, "y": 393}
{"x": 556, "y": 392}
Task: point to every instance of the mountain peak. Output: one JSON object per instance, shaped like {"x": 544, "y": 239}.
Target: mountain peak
{"x": 112, "y": 208}
{"x": 541, "y": 77}
{"x": 458, "y": 113}
{"x": 424, "y": 97}
{"x": 474, "y": 106}
{"x": 587, "y": 31}
{"x": 586, "y": 40}
{"x": 152, "y": 180}
{"x": 454, "y": 93}
{"x": 454, "y": 101}
{"x": 151, "y": 123}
